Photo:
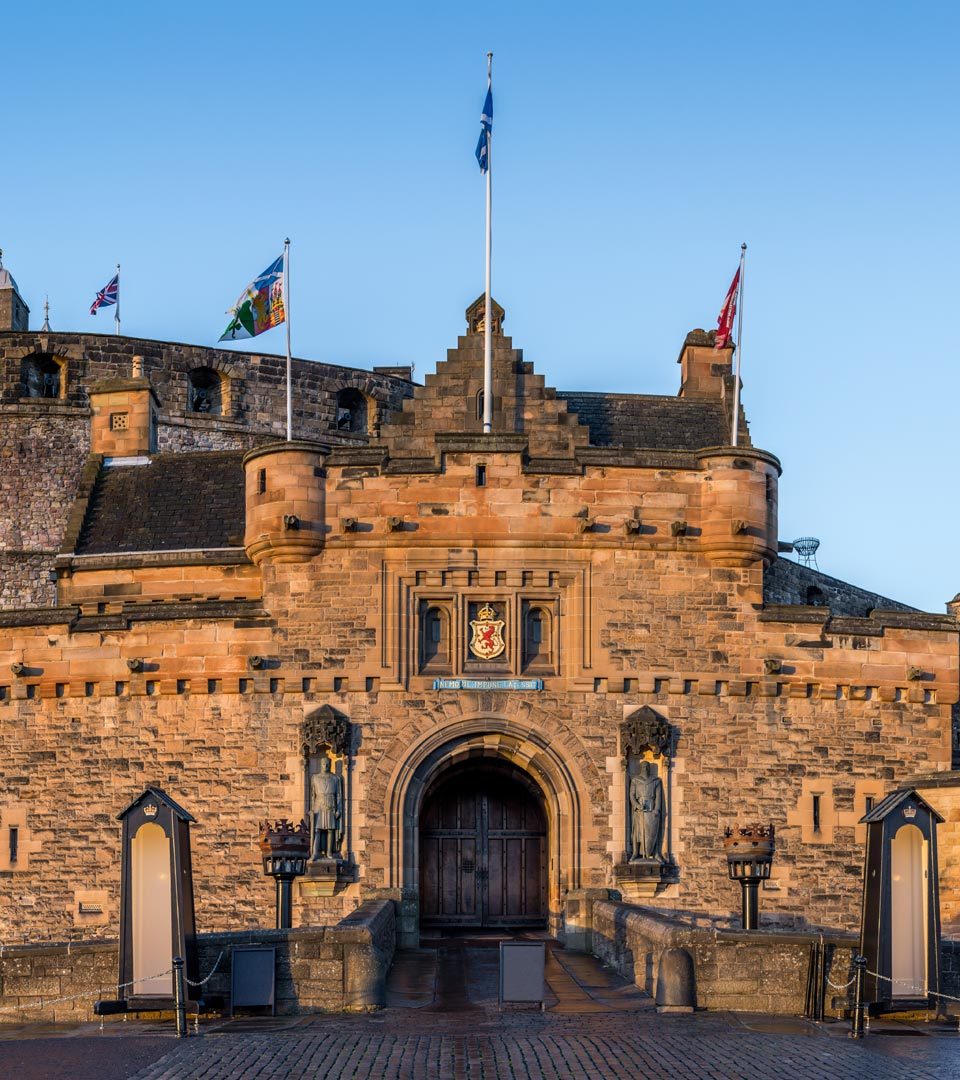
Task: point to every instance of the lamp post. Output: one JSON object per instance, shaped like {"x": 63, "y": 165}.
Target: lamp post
{"x": 284, "y": 848}
{"x": 749, "y": 853}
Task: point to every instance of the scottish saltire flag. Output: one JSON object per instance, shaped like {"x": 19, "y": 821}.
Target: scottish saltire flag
{"x": 260, "y": 306}
{"x": 108, "y": 295}
{"x": 486, "y": 129}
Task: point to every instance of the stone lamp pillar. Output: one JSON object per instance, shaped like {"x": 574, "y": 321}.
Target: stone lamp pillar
{"x": 749, "y": 853}
{"x": 284, "y": 849}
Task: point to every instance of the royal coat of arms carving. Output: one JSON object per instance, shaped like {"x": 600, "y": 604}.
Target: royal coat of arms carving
{"x": 486, "y": 640}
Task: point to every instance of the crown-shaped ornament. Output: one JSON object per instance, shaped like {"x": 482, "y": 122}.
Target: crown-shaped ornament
{"x": 486, "y": 613}
{"x": 150, "y": 810}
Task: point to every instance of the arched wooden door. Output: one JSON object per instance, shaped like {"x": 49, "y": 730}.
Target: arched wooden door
{"x": 483, "y": 843}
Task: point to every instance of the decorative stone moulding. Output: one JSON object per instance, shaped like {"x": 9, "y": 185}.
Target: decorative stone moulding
{"x": 285, "y": 499}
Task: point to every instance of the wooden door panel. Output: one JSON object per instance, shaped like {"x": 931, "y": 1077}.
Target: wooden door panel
{"x": 429, "y": 877}
{"x": 482, "y": 854}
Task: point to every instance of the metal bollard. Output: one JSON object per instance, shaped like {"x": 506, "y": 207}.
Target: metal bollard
{"x": 181, "y": 1004}
{"x": 860, "y": 963}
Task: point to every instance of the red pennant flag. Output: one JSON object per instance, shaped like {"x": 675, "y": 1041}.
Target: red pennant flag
{"x": 727, "y": 314}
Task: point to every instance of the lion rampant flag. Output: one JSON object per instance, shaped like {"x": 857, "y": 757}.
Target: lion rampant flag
{"x": 727, "y": 314}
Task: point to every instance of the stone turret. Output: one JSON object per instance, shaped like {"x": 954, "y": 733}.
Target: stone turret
{"x": 14, "y": 313}
{"x": 285, "y": 501}
{"x": 738, "y": 505}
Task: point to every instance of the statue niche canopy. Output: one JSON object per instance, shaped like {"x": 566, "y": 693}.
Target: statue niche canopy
{"x": 646, "y": 747}
{"x": 325, "y": 738}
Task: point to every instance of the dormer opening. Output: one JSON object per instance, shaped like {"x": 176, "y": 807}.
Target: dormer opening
{"x": 351, "y": 411}
{"x": 816, "y": 597}
{"x": 205, "y": 392}
{"x": 42, "y": 376}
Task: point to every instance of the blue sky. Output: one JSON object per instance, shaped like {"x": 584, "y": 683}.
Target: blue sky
{"x": 636, "y": 145}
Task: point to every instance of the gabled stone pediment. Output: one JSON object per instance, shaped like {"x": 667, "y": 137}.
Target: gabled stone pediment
{"x": 476, "y": 313}
{"x": 450, "y": 401}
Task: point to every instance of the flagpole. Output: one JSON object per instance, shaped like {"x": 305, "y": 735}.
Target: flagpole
{"x": 116, "y": 315}
{"x": 487, "y": 309}
{"x": 286, "y": 319}
{"x": 736, "y": 366}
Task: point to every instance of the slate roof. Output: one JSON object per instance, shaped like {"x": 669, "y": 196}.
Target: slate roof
{"x": 647, "y": 421}
{"x": 787, "y": 582}
{"x": 177, "y": 502}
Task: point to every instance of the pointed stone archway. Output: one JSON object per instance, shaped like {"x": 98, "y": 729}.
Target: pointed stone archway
{"x": 486, "y": 740}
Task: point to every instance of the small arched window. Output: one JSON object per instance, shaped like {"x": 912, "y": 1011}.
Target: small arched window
{"x": 434, "y": 638}
{"x": 205, "y": 392}
{"x": 42, "y": 376}
{"x": 479, "y": 404}
{"x": 537, "y": 638}
{"x": 351, "y": 411}
{"x": 816, "y": 597}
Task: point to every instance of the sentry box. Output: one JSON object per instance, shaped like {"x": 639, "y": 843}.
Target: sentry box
{"x": 900, "y": 934}
{"x": 156, "y": 906}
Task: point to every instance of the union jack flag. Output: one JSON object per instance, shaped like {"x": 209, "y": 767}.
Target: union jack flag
{"x": 108, "y": 295}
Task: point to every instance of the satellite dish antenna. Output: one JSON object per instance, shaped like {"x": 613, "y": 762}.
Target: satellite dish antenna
{"x": 806, "y": 548}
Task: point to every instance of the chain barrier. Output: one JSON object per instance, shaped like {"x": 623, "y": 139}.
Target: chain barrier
{"x": 918, "y": 990}
{"x": 841, "y": 987}
{"x": 45, "y": 1003}
{"x": 203, "y": 982}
